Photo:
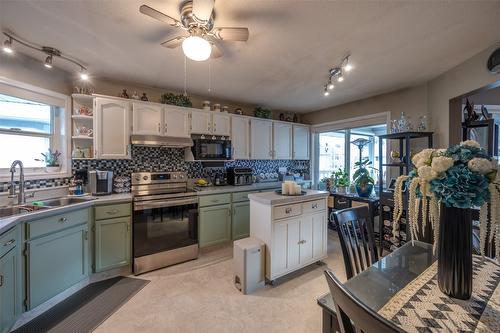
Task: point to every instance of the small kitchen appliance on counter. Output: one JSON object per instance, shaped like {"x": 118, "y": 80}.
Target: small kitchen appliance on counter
{"x": 239, "y": 176}
{"x": 100, "y": 182}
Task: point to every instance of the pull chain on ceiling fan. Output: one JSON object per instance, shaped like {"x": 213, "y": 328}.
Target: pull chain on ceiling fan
{"x": 201, "y": 37}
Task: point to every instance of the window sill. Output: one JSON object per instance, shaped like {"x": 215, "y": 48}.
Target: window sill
{"x": 5, "y": 177}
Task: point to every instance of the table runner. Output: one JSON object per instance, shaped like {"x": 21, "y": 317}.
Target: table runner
{"x": 422, "y": 307}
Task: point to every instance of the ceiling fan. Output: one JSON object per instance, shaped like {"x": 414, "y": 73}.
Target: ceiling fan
{"x": 197, "y": 19}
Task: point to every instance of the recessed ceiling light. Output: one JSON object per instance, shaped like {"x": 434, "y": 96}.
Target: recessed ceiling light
{"x": 48, "y": 61}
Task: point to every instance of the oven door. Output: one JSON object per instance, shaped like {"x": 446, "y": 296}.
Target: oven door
{"x": 162, "y": 225}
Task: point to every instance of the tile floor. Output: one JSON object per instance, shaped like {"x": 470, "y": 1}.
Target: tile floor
{"x": 198, "y": 296}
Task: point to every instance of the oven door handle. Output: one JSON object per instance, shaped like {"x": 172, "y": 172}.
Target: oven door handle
{"x": 164, "y": 203}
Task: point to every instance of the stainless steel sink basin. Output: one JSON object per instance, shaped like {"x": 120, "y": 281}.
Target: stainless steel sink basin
{"x": 16, "y": 210}
{"x": 65, "y": 201}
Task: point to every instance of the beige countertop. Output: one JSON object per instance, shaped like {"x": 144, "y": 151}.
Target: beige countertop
{"x": 10, "y": 221}
{"x": 243, "y": 188}
{"x": 273, "y": 198}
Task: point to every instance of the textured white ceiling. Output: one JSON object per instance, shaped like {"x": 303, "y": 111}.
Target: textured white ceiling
{"x": 292, "y": 44}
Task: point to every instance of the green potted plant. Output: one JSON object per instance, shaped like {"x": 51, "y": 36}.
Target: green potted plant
{"x": 362, "y": 179}
{"x": 51, "y": 160}
{"x": 341, "y": 178}
{"x": 179, "y": 100}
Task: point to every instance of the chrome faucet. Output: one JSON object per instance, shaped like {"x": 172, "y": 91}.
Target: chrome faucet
{"x": 21, "y": 198}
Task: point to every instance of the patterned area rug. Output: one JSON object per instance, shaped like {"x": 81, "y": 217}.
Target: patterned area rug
{"x": 422, "y": 307}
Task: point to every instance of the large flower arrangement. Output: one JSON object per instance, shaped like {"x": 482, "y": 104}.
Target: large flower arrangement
{"x": 462, "y": 176}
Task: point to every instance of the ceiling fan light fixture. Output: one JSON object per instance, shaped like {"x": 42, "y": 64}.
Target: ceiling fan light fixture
{"x": 196, "y": 48}
{"x": 48, "y": 61}
{"x": 7, "y": 46}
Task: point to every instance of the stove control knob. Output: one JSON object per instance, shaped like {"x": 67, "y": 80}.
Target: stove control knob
{"x": 145, "y": 177}
{"x": 174, "y": 176}
{"x": 181, "y": 176}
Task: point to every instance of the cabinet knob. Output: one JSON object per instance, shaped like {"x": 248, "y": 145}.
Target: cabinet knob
{"x": 314, "y": 206}
{"x": 288, "y": 210}
{"x": 63, "y": 219}
{"x": 112, "y": 212}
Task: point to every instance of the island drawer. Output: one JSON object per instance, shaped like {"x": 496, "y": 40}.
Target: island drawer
{"x": 313, "y": 206}
{"x": 281, "y": 212}
{"x": 112, "y": 211}
{"x": 55, "y": 223}
{"x": 8, "y": 241}
{"x": 241, "y": 196}
{"x": 214, "y": 199}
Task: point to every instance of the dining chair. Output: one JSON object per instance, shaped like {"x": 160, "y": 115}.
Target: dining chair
{"x": 353, "y": 315}
{"x": 355, "y": 229}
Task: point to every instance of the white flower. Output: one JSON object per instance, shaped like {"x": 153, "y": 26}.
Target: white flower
{"x": 438, "y": 152}
{"x": 470, "y": 143}
{"x": 422, "y": 158}
{"x": 441, "y": 163}
{"x": 481, "y": 165}
{"x": 425, "y": 172}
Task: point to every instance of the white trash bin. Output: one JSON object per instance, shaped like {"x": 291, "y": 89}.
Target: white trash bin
{"x": 249, "y": 264}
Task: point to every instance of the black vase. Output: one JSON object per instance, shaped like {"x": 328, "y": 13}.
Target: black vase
{"x": 455, "y": 252}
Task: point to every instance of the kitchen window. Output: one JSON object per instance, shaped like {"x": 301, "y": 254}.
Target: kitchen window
{"x": 32, "y": 120}
{"x": 334, "y": 150}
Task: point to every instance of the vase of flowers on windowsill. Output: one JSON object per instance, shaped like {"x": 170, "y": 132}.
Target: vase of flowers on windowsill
{"x": 442, "y": 189}
{"x": 51, "y": 160}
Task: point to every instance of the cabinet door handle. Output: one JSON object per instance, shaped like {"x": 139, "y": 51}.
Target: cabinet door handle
{"x": 341, "y": 202}
{"x": 314, "y": 206}
{"x": 1, "y": 280}
{"x": 112, "y": 212}
{"x": 288, "y": 210}
{"x": 166, "y": 128}
{"x": 63, "y": 219}
{"x": 9, "y": 242}
{"x": 159, "y": 127}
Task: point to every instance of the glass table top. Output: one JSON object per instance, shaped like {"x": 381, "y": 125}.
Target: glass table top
{"x": 380, "y": 282}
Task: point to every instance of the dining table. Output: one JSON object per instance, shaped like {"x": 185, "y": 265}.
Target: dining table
{"x": 402, "y": 287}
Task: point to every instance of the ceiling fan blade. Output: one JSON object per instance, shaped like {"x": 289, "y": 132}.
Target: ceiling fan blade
{"x": 174, "y": 42}
{"x": 232, "y": 34}
{"x": 151, "y": 12}
{"x": 216, "y": 52}
{"x": 202, "y": 9}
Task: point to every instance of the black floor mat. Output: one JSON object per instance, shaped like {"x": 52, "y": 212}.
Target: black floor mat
{"x": 87, "y": 308}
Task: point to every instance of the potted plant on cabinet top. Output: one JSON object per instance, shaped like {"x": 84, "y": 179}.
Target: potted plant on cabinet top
{"x": 341, "y": 178}
{"x": 51, "y": 160}
{"x": 362, "y": 179}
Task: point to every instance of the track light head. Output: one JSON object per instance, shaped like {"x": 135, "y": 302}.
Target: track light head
{"x": 348, "y": 67}
{"x": 330, "y": 85}
{"x": 7, "y": 46}
{"x": 48, "y": 61}
{"x": 340, "y": 78}
{"x": 84, "y": 75}
{"x": 326, "y": 92}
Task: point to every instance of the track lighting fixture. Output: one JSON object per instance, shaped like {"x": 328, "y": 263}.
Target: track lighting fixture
{"x": 7, "y": 46}
{"x": 338, "y": 74}
{"x": 48, "y": 61}
{"x": 50, "y": 53}
{"x": 326, "y": 92}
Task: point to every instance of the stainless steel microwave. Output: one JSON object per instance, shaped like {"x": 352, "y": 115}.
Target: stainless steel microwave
{"x": 211, "y": 148}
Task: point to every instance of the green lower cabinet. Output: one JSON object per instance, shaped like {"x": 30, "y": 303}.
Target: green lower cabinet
{"x": 112, "y": 243}
{"x": 56, "y": 262}
{"x": 10, "y": 285}
{"x": 214, "y": 225}
{"x": 241, "y": 220}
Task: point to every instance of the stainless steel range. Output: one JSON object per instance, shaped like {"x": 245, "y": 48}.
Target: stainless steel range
{"x": 165, "y": 221}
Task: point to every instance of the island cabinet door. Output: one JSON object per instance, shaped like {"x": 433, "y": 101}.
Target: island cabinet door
{"x": 306, "y": 239}
{"x": 285, "y": 246}
{"x": 56, "y": 262}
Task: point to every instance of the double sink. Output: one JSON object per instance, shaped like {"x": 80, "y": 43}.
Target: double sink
{"x": 8, "y": 211}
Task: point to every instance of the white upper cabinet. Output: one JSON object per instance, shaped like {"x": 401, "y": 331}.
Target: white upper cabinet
{"x": 240, "y": 137}
{"x": 282, "y": 147}
{"x": 261, "y": 138}
{"x": 147, "y": 118}
{"x": 301, "y": 142}
{"x": 177, "y": 122}
{"x": 113, "y": 129}
{"x": 201, "y": 122}
{"x": 221, "y": 124}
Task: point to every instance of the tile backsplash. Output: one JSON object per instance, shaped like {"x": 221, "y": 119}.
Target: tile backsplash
{"x": 154, "y": 159}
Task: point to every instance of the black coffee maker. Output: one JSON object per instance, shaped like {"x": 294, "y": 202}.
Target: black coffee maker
{"x": 100, "y": 182}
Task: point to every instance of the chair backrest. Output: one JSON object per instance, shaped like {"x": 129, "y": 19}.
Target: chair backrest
{"x": 355, "y": 229}
{"x": 353, "y": 315}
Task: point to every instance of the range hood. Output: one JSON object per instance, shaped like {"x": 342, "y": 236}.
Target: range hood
{"x": 162, "y": 141}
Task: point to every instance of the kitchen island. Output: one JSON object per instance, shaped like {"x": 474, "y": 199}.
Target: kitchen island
{"x": 294, "y": 229}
